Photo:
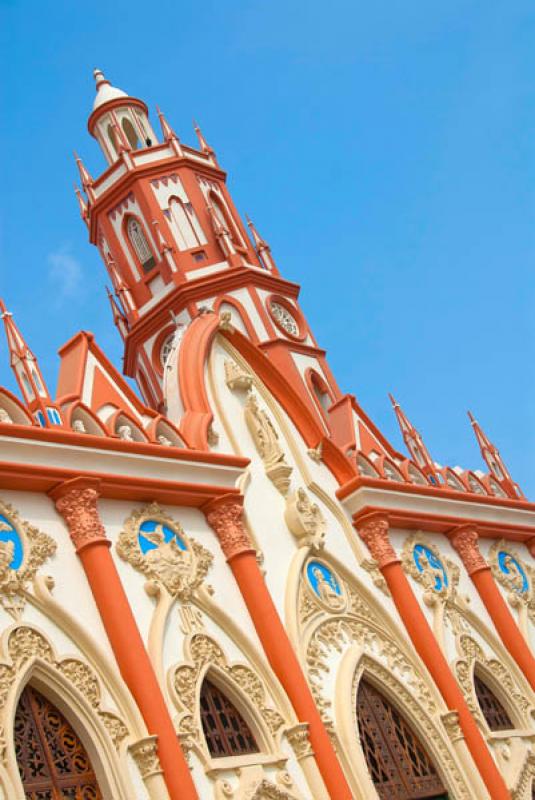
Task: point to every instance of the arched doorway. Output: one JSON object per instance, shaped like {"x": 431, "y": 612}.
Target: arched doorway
{"x": 398, "y": 763}
{"x": 52, "y": 761}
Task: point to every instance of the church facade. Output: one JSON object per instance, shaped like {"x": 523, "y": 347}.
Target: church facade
{"x": 229, "y": 584}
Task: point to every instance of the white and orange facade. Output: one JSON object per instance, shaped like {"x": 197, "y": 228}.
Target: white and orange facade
{"x": 241, "y": 521}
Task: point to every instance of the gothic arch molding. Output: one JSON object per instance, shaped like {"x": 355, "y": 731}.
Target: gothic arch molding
{"x": 73, "y": 687}
{"x": 354, "y": 667}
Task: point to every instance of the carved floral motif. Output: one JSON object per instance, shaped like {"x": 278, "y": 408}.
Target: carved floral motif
{"x": 155, "y": 544}
{"x": 78, "y": 507}
{"x": 236, "y": 378}
{"x": 226, "y": 519}
{"x": 22, "y": 552}
{"x": 145, "y": 754}
{"x": 373, "y": 531}
{"x": 299, "y": 739}
{"x": 465, "y": 541}
{"x": 422, "y": 559}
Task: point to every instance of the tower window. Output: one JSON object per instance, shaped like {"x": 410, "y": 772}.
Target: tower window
{"x": 111, "y": 137}
{"x": 52, "y": 761}
{"x": 225, "y": 730}
{"x": 495, "y": 714}
{"x": 397, "y": 761}
{"x": 140, "y": 244}
{"x": 130, "y": 133}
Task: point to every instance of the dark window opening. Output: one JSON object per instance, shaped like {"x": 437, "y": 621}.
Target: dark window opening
{"x": 495, "y": 714}
{"x": 53, "y": 763}
{"x": 398, "y": 763}
{"x": 225, "y": 730}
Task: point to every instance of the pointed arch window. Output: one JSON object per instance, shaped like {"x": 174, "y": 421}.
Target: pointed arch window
{"x": 188, "y": 231}
{"x": 225, "y": 219}
{"x": 225, "y": 730}
{"x": 53, "y": 763}
{"x": 130, "y": 133}
{"x": 495, "y": 714}
{"x": 397, "y": 761}
{"x": 139, "y": 243}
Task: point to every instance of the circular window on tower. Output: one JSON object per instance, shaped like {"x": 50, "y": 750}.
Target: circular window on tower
{"x": 286, "y": 317}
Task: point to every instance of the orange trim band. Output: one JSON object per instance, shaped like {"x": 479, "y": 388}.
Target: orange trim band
{"x": 373, "y": 529}
{"x": 76, "y": 501}
{"x": 225, "y": 517}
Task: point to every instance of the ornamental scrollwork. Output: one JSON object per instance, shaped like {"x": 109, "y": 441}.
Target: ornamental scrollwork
{"x": 203, "y": 652}
{"x": 24, "y": 644}
{"x": 157, "y": 546}
{"x": 523, "y": 787}
{"x": 23, "y": 550}
{"x": 254, "y": 786}
{"x": 424, "y": 562}
{"x": 305, "y": 520}
{"x": 145, "y": 754}
{"x": 471, "y": 654}
{"x": 517, "y": 577}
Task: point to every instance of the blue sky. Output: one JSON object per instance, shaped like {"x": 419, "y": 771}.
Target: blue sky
{"x": 385, "y": 150}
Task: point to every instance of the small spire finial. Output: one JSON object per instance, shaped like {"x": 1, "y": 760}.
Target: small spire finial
{"x": 205, "y": 147}
{"x": 99, "y": 77}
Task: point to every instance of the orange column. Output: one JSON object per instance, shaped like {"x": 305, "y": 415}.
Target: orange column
{"x": 225, "y": 517}
{"x": 373, "y": 529}
{"x": 76, "y": 501}
{"x": 465, "y": 540}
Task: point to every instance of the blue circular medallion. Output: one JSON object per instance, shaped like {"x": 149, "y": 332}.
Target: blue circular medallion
{"x": 511, "y": 567}
{"x": 320, "y": 578}
{"x": 425, "y": 558}
{"x": 9, "y": 534}
{"x": 158, "y": 534}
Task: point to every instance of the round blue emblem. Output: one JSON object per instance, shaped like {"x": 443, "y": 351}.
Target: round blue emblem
{"x": 425, "y": 558}
{"x": 9, "y": 534}
{"x": 511, "y": 567}
{"x": 157, "y": 534}
{"x": 321, "y": 579}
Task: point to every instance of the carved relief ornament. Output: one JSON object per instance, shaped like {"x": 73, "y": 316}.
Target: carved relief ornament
{"x": 373, "y": 530}
{"x": 156, "y": 545}
{"x": 424, "y": 562}
{"x": 203, "y": 653}
{"x": 145, "y": 754}
{"x": 305, "y": 520}
{"x": 78, "y": 507}
{"x": 266, "y": 440}
{"x": 236, "y": 378}
{"x": 25, "y": 643}
{"x": 465, "y": 540}
{"x": 23, "y": 550}
{"x": 514, "y": 574}
{"x": 225, "y": 516}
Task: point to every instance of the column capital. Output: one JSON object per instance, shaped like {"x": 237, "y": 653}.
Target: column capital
{"x": 465, "y": 540}
{"x": 76, "y": 501}
{"x": 225, "y": 516}
{"x": 373, "y": 530}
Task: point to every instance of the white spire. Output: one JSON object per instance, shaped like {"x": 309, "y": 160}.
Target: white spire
{"x": 105, "y": 91}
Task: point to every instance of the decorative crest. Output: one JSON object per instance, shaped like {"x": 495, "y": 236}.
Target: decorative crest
{"x": 267, "y": 443}
{"x": 424, "y": 562}
{"x": 23, "y": 549}
{"x": 156, "y": 545}
{"x": 305, "y": 520}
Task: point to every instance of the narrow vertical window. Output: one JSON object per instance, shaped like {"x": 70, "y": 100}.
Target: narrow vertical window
{"x": 225, "y": 730}
{"x": 140, "y": 244}
{"x": 52, "y": 761}
{"x": 130, "y": 133}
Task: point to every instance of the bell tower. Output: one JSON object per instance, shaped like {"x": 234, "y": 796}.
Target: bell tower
{"x": 175, "y": 246}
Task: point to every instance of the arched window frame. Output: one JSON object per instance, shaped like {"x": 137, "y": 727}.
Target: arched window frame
{"x": 200, "y": 241}
{"x": 219, "y": 204}
{"x": 144, "y": 271}
{"x": 317, "y": 385}
{"x": 243, "y": 709}
{"x": 496, "y": 689}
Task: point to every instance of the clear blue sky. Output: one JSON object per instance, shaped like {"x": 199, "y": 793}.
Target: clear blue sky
{"x": 385, "y": 150}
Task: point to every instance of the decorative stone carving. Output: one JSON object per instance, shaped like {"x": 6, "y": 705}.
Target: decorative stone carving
{"x": 225, "y": 322}
{"x": 253, "y": 786}
{"x": 522, "y": 790}
{"x": 371, "y": 566}
{"x": 324, "y": 586}
{"x": 145, "y": 754}
{"x": 125, "y": 433}
{"x": 299, "y": 739}
{"x": 157, "y": 546}
{"x": 465, "y": 540}
{"x": 5, "y": 417}
{"x": 517, "y": 577}
{"x": 78, "y": 426}
{"x": 78, "y": 507}
{"x": 25, "y": 643}
{"x": 23, "y": 550}
{"x": 236, "y": 378}
{"x": 450, "y": 721}
{"x": 267, "y": 443}
{"x": 305, "y": 520}
{"x": 164, "y": 441}
{"x": 212, "y": 437}
{"x": 204, "y": 652}
{"x": 438, "y": 575}
{"x": 316, "y": 453}
{"x": 373, "y": 531}
{"x": 226, "y": 518}
{"x": 471, "y": 653}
